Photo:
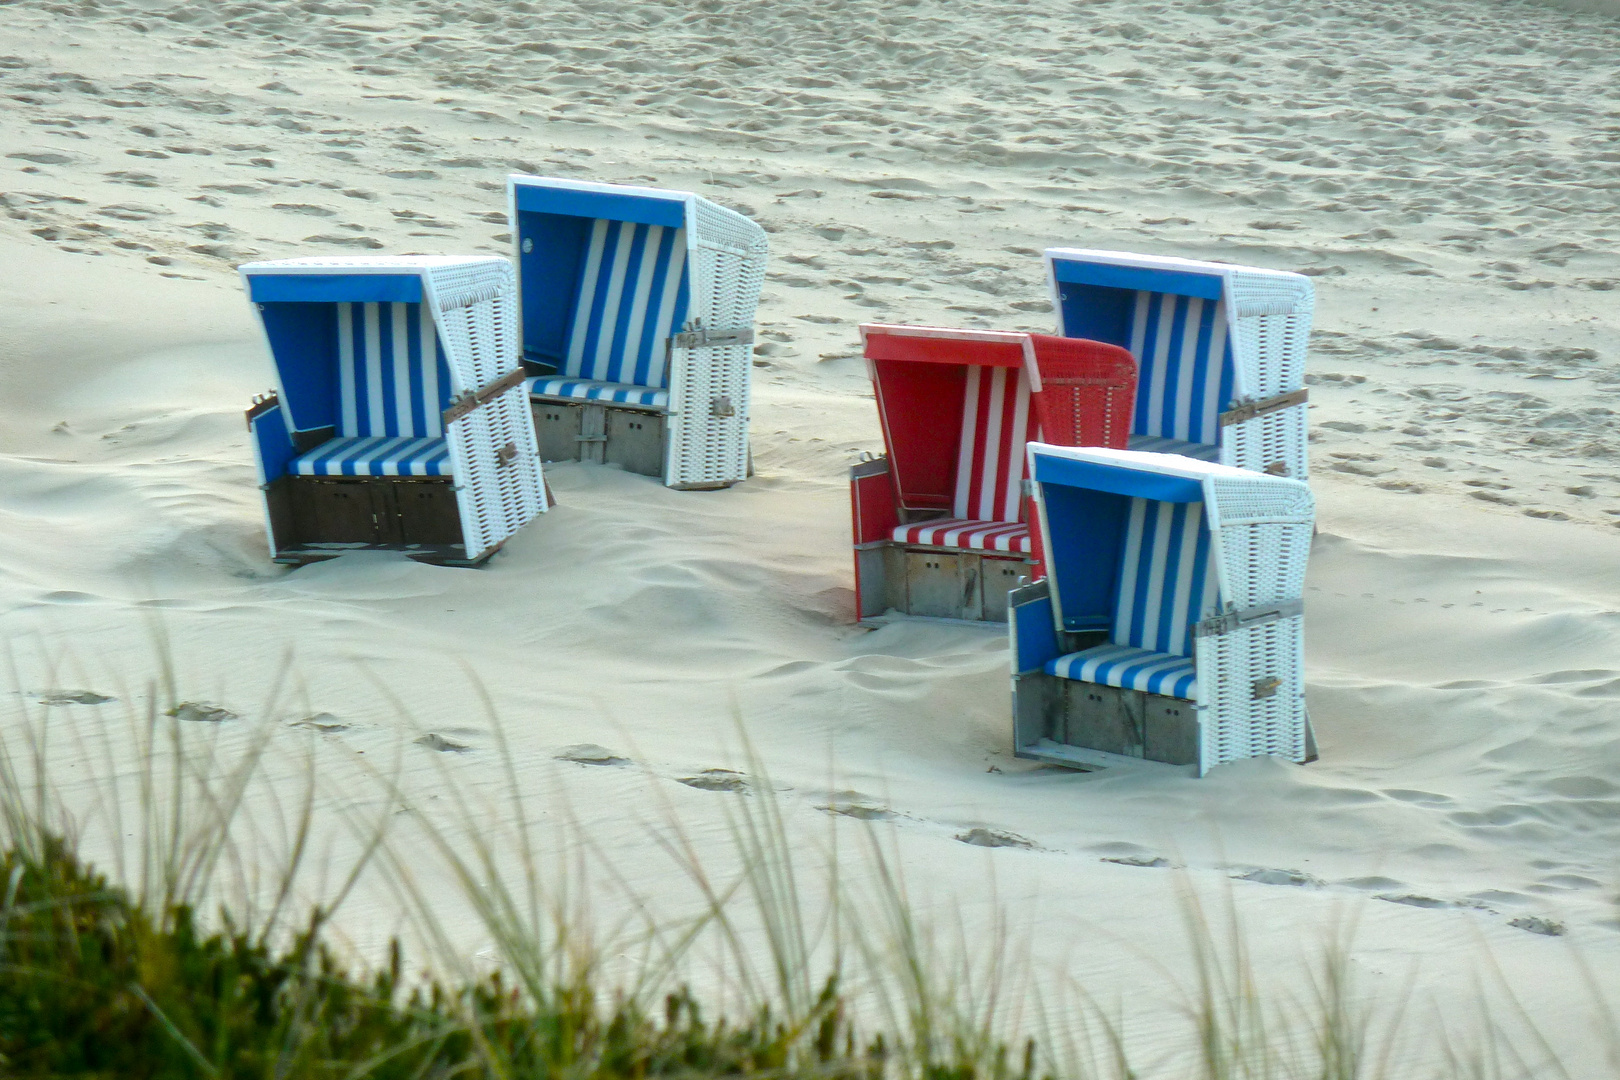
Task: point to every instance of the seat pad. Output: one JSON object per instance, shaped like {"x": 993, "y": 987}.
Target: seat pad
{"x": 1131, "y": 669}
{"x": 375, "y": 455}
{"x": 1154, "y": 444}
{"x": 1011, "y": 537}
{"x": 593, "y": 390}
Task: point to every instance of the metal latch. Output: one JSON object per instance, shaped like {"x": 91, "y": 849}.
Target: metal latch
{"x": 506, "y": 455}
{"x": 1229, "y": 621}
{"x": 722, "y": 407}
{"x": 701, "y": 338}
{"x": 1251, "y": 409}
{"x": 1264, "y": 688}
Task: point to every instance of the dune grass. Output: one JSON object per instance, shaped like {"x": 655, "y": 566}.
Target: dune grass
{"x": 204, "y": 950}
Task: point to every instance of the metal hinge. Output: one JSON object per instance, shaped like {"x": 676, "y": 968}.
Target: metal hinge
{"x": 506, "y": 455}
{"x": 472, "y": 399}
{"x": 701, "y": 338}
{"x": 1028, "y": 487}
{"x": 1227, "y": 622}
{"x": 1251, "y": 409}
{"x": 722, "y": 407}
{"x": 1264, "y": 688}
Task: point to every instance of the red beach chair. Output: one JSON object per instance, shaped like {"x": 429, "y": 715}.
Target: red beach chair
{"x": 941, "y": 522}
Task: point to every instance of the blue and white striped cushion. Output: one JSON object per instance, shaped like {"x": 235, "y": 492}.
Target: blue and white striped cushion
{"x": 1154, "y": 444}
{"x": 1184, "y": 366}
{"x": 590, "y": 390}
{"x": 392, "y": 378}
{"x": 632, "y": 297}
{"x": 375, "y": 455}
{"x": 1134, "y": 669}
{"x": 1167, "y": 577}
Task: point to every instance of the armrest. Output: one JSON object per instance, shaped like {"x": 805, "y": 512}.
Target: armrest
{"x": 272, "y": 443}
{"x": 1031, "y": 632}
{"x": 873, "y": 514}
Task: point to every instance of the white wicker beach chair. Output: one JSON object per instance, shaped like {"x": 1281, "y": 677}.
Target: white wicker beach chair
{"x": 638, "y": 326}
{"x": 400, "y": 419}
{"x": 1221, "y": 351}
{"x": 1169, "y": 627}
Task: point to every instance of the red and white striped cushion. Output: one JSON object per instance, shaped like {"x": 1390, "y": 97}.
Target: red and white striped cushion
{"x": 1010, "y": 537}
{"x": 995, "y": 425}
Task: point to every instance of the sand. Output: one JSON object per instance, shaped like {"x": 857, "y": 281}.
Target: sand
{"x": 1448, "y": 172}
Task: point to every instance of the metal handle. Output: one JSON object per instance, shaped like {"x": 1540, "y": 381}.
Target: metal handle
{"x": 1229, "y": 621}
{"x": 701, "y": 338}
{"x": 1251, "y": 409}
{"x": 472, "y": 399}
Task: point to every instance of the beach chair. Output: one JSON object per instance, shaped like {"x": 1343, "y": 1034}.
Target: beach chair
{"x": 940, "y": 521}
{"x": 1220, "y": 351}
{"x": 638, "y": 326}
{"x": 400, "y": 420}
{"x": 1169, "y": 626}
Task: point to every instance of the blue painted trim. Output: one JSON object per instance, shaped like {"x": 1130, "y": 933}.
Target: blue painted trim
{"x": 641, "y": 209}
{"x": 330, "y": 288}
{"x": 1116, "y": 480}
{"x": 1138, "y": 278}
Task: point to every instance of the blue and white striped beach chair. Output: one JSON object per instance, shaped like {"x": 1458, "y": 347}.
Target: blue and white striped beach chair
{"x": 1169, "y": 627}
{"x": 1220, "y": 351}
{"x": 638, "y": 326}
{"x": 399, "y": 420}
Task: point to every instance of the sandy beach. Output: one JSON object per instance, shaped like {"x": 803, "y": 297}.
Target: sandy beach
{"x": 1447, "y": 171}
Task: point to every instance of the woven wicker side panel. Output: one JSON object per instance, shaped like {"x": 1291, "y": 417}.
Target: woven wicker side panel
{"x": 1236, "y": 723}
{"x": 728, "y": 264}
{"x": 467, "y": 284}
{"x": 1271, "y": 326}
{"x": 1264, "y": 563}
{"x": 728, "y": 229}
{"x": 1245, "y": 500}
{"x": 1276, "y": 443}
{"x": 495, "y": 499}
{"x": 705, "y": 448}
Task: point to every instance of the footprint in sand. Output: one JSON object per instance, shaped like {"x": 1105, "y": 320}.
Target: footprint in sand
{"x": 443, "y": 745}
{"x": 1267, "y": 876}
{"x": 716, "y": 780}
{"x": 1535, "y": 924}
{"x": 859, "y": 811}
{"x": 74, "y": 697}
{"x": 201, "y": 712}
{"x": 994, "y": 838}
{"x": 322, "y": 722}
{"x": 590, "y": 754}
{"x": 1150, "y": 862}
{"x": 303, "y": 208}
